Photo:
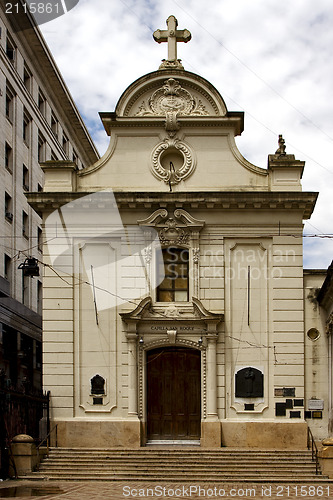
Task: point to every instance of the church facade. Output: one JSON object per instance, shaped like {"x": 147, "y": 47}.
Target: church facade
{"x": 173, "y": 278}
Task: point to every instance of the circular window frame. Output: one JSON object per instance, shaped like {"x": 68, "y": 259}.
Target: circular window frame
{"x": 313, "y": 334}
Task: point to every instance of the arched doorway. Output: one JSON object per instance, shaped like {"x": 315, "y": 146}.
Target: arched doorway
{"x": 173, "y": 393}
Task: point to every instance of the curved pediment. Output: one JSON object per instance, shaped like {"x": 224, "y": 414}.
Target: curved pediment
{"x": 162, "y": 92}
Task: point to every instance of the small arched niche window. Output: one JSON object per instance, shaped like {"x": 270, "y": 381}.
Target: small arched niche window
{"x": 173, "y": 273}
{"x": 249, "y": 383}
{"x": 97, "y": 385}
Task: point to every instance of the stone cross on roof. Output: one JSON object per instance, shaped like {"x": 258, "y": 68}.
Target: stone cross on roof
{"x": 172, "y": 36}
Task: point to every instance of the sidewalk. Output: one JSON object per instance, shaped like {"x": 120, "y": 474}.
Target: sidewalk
{"x": 100, "y": 490}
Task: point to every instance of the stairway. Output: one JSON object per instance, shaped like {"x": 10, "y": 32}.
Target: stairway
{"x": 178, "y": 465}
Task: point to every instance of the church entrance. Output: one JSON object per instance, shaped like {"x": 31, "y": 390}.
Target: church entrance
{"x": 173, "y": 394}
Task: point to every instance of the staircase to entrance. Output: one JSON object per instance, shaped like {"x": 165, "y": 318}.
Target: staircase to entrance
{"x": 186, "y": 464}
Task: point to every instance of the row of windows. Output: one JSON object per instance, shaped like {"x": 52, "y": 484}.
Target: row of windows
{"x": 10, "y": 95}
{"x": 25, "y": 221}
{"x": 26, "y": 127}
{"x": 25, "y": 170}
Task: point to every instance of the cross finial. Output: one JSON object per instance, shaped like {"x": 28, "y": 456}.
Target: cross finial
{"x": 172, "y": 35}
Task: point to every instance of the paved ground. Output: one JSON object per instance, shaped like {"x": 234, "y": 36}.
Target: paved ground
{"x": 121, "y": 490}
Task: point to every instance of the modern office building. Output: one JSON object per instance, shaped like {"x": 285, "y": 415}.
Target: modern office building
{"x": 38, "y": 122}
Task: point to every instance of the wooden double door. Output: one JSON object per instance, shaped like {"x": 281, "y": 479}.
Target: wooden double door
{"x": 173, "y": 393}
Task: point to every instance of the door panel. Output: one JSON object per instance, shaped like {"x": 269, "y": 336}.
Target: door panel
{"x": 173, "y": 393}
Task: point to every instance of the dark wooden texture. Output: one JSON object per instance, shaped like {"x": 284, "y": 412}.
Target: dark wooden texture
{"x": 173, "y": 393}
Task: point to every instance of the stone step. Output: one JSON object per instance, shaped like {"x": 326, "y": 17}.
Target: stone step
{"x": 181, "y": 451}
{"x": 310, "y": 478}
{"x": 185, "y": 467}
{"x": 234, "y": 456}
{"x": 190, "y": 458}
{"x": 176, "y": 463}
{"x": 179, "y": 465}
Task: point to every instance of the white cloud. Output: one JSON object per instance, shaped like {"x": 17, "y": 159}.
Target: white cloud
{"x": 271, "y": 59}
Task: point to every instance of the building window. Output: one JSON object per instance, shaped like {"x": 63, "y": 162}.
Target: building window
{"x": 26, "y": 351}
{"x": 41, "y": 103}
{"x": 27, "y": 78}
{"x": 41, "y": 148}
{"x": 25, "y": 224}
{"x": 39, "y": 239}
{"x": 65, "y": 143}
{"x": 75, "y": 158}
{"x": 38, "y": 354}
{"x": 175, "y": 269}
{"x": 9, "y": 104}
{"x": 25, "y": 178}
{"x": 26, "y": 128}
{"x": 8, "y": 208}
{"x": 10, "y": 50}
{"x": 7, "y": 267}
{"x": 54, "y": 124}
{"x": 8, "y": 158}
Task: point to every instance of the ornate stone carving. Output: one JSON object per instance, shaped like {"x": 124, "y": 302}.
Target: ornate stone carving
{"x": 162, "y": 169}
{"x": 196, "y": 255}
{"x": 282, "y": 147}
{"x": 172, "y": 336}
{"x": 176, "y": 230}
{"x": 329, "y": 325}
{"x": 172, "y": 311}
{"x": 173, "y": 235}
{"x": 172, "y": 98}
{"x": 148, "y": 255}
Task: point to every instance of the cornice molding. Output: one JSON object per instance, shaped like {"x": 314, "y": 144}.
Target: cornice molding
{"x": 226, "y": 200}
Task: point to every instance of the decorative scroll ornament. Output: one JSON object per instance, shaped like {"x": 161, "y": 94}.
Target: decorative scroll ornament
{"x": 173, "y": 235}
{"x": 182, "y": 166}
{"x": 172, "y": 98}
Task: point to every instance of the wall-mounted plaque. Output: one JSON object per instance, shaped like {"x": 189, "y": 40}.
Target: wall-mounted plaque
{"x": 249, "y": 383}
{"x": 289, "y": 392}
{"x": 317, "y": 414}
{"x": 316, "y": 404}
{"x": 280, "y": 409}
{"x": 295, "y": 414}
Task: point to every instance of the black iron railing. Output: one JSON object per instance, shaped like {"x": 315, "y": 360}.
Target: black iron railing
{"x": 47, "y": 439}
{"x": 314, "y": 449}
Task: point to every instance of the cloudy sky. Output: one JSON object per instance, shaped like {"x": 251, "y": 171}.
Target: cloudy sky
{"x": 271, "y": 59}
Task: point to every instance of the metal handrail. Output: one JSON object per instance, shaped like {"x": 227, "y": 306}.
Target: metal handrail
{"x": 314, "y": 449}
{"x": 47, "y": 439}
